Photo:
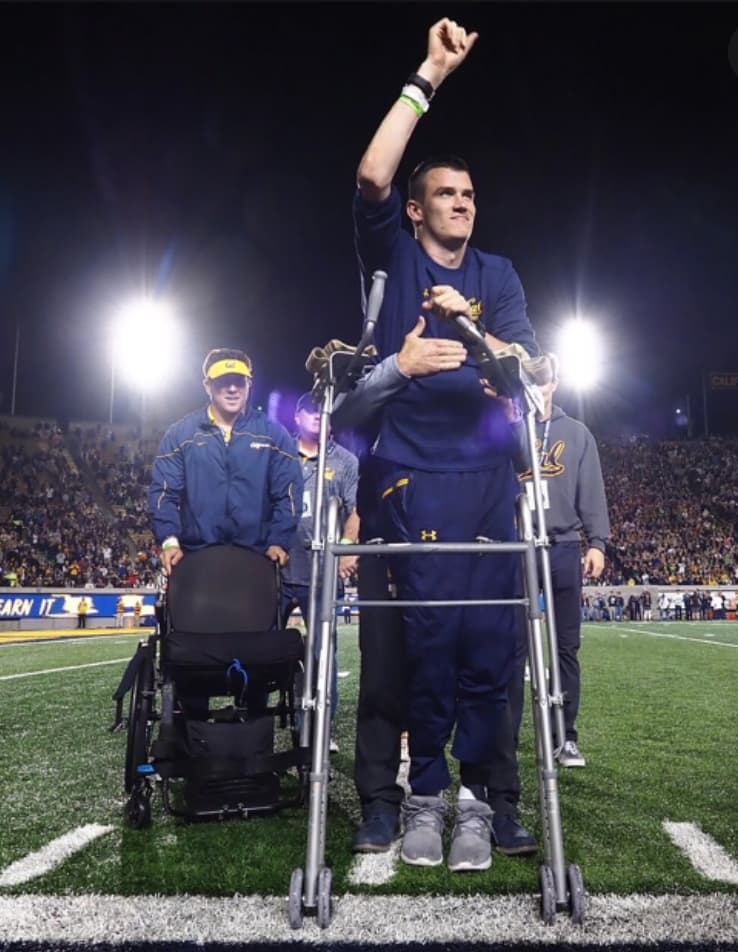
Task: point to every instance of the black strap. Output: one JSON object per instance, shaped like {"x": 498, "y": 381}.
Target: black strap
{"x": 423, "y": 85}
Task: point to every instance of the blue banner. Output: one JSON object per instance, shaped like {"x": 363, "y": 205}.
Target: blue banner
{"x": 64, "y": 604}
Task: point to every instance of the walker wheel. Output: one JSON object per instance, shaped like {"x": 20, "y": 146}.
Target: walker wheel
{"x": 576, "y": 894}
{"x": 325, "y": 903}
{"x": 294, "y": 904}
{"x": 548, "y": 895}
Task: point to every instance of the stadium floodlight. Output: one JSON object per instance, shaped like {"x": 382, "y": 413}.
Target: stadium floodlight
{"x": 580, "y": 354}
{"x": 143, "y": 337}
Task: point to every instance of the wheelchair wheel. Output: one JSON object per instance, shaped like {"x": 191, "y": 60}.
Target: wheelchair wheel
{"x": 139, "y": 720}
{"x": 138, "y": 808}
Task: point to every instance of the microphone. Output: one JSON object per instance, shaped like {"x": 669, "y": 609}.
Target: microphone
{"x": 489, "y": 366}
{"x": 371, "y": 313}
{"x": 469, "y": 328}
{"x": 376, "y": 296}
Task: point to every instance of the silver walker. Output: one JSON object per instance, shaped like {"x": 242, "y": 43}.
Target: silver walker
{"x": 561, "y": 885}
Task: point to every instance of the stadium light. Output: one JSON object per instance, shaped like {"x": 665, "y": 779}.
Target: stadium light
{"x": 144, "y": 334}
{"x": 580, "y": 354}
{"x": 682, "y": 416}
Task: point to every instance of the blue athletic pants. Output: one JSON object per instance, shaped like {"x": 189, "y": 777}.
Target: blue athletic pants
{"x": 460, "y": 659}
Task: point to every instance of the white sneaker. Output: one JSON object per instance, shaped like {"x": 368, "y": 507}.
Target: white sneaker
{"x": 570, "y": 755}
{"x": 333, "y": 746}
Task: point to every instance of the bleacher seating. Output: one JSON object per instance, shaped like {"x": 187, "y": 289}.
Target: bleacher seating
{"x": 73, "y": 507}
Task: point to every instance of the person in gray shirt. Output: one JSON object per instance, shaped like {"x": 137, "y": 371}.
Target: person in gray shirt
{"x": 340, "y": 479}
{"x": 576, "y": 507}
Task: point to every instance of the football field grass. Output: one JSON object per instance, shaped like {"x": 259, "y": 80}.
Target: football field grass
{"x": 658, "y": 726}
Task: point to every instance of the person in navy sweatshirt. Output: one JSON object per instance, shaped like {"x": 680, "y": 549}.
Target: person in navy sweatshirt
{"x": 443, "y": 466}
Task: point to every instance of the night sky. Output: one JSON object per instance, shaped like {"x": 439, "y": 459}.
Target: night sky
{"x": 208, "y": 152}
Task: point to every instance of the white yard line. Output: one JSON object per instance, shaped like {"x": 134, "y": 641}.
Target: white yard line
{"x": 663, "y": 634}
{"x": 374, "y": 869}
{"x": 62, "y": 640}
{"x": 52, "y": 855}
{"x": 376, "y": 920}
{"x": 704, "y": 853}
{"x": 45, "y": 643}
{"x": 71, "y": 667}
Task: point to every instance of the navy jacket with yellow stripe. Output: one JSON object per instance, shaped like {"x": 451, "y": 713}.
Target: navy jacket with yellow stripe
{"x": 246, "y": 492}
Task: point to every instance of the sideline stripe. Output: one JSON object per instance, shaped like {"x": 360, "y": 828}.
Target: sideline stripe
{"x": 55, "y": 642}
{"x": 37, "y": 636}
{"x": 379, "y": 920}
{"x": 52, "y": 855}
{"x": 663, "y": 634}
{"x": 704, "y": 853}
{"x": 71, "y": 667}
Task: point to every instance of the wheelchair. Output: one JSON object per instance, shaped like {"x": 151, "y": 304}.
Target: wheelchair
{"x": 207, "y": 691}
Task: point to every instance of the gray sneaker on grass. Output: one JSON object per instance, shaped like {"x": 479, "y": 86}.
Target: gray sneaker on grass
{"x": 423, "y": 819}
{"x": 471, "y": 840}
{"x": 571, "y": 756}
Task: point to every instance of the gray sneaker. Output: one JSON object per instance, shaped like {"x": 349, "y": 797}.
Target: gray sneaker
{"x": 424, "y": 819}
{"x": 471, "y": 840}
{"x": 570, "y": 755}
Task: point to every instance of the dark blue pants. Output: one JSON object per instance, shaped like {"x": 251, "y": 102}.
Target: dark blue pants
{"x": 382, "y": 710}
{"x": 460, "y": 659}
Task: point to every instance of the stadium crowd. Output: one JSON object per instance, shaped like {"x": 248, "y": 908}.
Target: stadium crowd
{"x": 73, "y": 508}
{"x": 673, "y": 512}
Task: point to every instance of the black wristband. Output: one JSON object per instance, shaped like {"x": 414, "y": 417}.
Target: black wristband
{"x": 423, "y": 85}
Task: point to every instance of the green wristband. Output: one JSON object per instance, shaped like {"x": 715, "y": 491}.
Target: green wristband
{"x": 413, "y": 105}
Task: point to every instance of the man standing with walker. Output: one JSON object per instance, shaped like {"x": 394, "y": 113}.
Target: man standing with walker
{"x": 443, "y": 464}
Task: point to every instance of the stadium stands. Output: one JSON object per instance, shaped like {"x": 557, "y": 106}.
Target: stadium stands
{"x": 673, "y": 512}
{"x": 73, "y": 508}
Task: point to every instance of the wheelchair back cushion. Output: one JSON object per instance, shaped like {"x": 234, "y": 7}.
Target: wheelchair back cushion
{"x": 223, "y": 589}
